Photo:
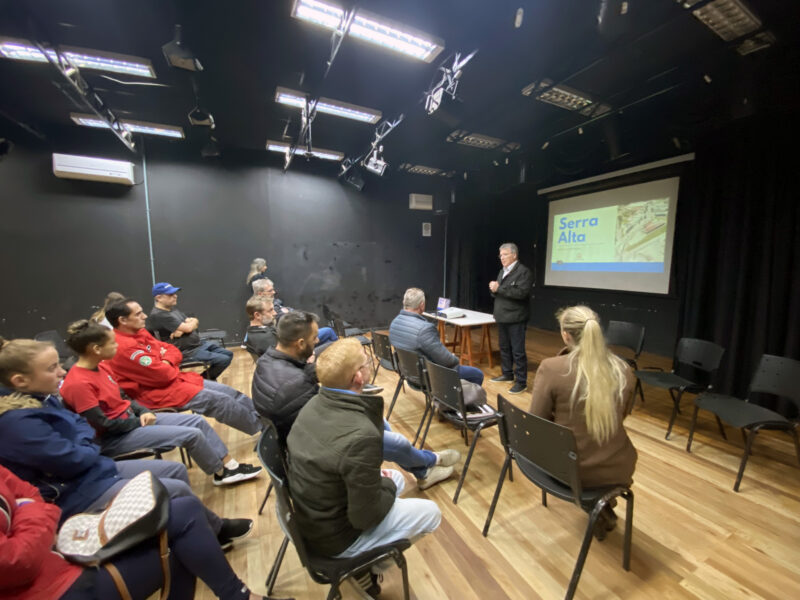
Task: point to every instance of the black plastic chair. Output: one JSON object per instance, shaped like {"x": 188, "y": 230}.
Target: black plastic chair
{"x": 448, "y": 396}
{"x": 384, "y": 353}
{"x": 354, "y": 332}
{"x": 216, "y": 335}
{"x": 625, "y": 334}
{"x": 66, "y": 356}
{"x": 774, "y": 375}
{"x": 698, "y": 355}
{"x": 547, "y": 454}
{"x": 412, "y": 371}
{"x": 323, "y": 570}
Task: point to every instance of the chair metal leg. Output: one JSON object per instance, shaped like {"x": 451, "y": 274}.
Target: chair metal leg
{"x": 691, "y": 429}
{"x": 276, "y": 566}
{"x": 427, "y": 427}
{"x": 746, "y": 454}
{"x": 266, "y": 497}
{"x": 587, "y": 542}
{"x": 793, "y": 431}
{"x": 721, "y": 428}
{"x": 496, "y": 495}
{"x": 422, "y": 422}
{"x": 466, "y": 462}
{"x": 375, "y": 372}
{"x": 333, "y": 593}
{"x": 394, "y": 398}
{"x": 626, "y": 548}
{"x": 544, "y": 498}
{"x": 639, "y": 389}
{"x": 401, "y": 562}
{"x": 675, "y": 410}
{"x": 510, "y": 472}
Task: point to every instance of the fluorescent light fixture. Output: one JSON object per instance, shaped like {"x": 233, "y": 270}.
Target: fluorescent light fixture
{"x": 371, "y": 28}
{"x": 17, "y": 49}
{"x": 478, "y": 140}
{"x": 326, "y": 105}
{"x": 423, "y": 170}
{"x": 759, "y": 41}
{"x": 283, "y": 147}
{"x": 729, "y": 19}
{"x": 559, "y": 95}
{"x": 143, "y": 127}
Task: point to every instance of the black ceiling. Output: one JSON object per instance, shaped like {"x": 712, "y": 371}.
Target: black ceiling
{"x": 652, "y": 68}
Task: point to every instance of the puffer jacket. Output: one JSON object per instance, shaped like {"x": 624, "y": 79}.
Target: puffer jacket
{"x": 335, "y": 455}
{"x": 413, "y": 332}
{"x": 281, "y": 387}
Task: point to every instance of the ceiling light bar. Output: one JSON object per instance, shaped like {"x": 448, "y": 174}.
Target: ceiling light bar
{"x": 557, "y": 95}
{"x": 478, "y": 140}
{"x": 371, "y": 28}
{"x": 328, "y": 106}
{"x": 143, "y": 127}
{"x": 17, "y": 49}
{"x": 759, "y": 41}
{"x": 729, "y": 19}
{"x": 283, "y": 147}
{"x": 423, "y": 170}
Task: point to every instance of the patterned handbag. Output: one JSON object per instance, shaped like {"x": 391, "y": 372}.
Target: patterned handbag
{"x": 137, "y": 513}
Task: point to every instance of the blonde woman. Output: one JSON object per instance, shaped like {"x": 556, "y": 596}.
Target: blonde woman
{"x": 258, "y": 270}
{"x": 590, "y": 390}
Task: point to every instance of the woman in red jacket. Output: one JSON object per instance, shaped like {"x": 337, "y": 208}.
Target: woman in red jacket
{"x": 31, "y": 570}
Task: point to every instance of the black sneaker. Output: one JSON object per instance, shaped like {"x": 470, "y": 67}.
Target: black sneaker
{"x": 241, "y": 473}
{"x": 371, "y": 389}
{"x": 503, "y": 378}
{"x": 232, "y": 530}
{"x": 518, "y": 388}
{"x": 368, "y": 582}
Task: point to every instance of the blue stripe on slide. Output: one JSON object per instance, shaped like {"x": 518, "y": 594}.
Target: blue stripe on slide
{"x": 611, "y": 267}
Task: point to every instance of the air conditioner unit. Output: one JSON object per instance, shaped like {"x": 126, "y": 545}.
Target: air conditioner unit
{"x": 70, "y": 166}
{"x": 420, "y": 201}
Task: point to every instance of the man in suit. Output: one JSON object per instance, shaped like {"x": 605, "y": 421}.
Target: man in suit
{"x": 511, "y": 292}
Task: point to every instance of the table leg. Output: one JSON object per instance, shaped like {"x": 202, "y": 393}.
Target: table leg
{"x": 486, "y": 342}
{"x": 489, "y": 346}
{"x": 467, "y": 340}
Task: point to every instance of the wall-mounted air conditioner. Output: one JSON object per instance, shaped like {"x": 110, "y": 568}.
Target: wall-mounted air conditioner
{"x": 70, "y": 166}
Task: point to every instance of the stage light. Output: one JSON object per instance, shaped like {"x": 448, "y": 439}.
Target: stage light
{"x": 447, "y": 84}
{"x": 211, "y": 147}
{"x": 375, "y": 163}
{"x": 371, "y": 28}
{"x": 179, "y": 56}
{"x": 143, "y": 127}
{"x": 283, "y": 148}
{"x": 200, "y": 117}
{"x": 328, "y": 106}
{"x": 17, "y": 49}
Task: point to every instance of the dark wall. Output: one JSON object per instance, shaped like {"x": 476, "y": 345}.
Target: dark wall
{"x": 67, "y": 243}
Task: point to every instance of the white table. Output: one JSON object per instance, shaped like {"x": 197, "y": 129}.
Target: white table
{"x": 462, "y": 338}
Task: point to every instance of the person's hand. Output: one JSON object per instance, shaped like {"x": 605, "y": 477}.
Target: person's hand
{"x": 176, "y": 334}
{"x": 311, "y": 358}
{"x": 493, "y": 285}
{"x": 284, "y": 310}
{"x": 163, "y": 351}
{"x": 386, "y": 473}
{"x": 147, "y": 418}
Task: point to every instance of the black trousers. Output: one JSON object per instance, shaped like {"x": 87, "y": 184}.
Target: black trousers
{"x": 512, "y": 346}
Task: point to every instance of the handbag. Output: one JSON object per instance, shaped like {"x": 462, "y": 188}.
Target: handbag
{"x": 137, "y": 513}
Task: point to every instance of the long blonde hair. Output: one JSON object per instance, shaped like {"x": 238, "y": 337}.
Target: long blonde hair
{"x": 255, "y": 268}
{"x": 16, "y": 357}
{"x": 601, "y": 376}
{"x": 111, "y": 297}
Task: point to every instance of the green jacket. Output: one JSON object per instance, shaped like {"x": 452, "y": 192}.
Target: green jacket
{"x": 335, "y": 455}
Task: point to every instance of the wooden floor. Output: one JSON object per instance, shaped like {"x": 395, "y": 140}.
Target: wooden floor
{"x": 693, "y": 537}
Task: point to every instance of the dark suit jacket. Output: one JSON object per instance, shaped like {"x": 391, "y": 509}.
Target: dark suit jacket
{"x": 512, "y": 298}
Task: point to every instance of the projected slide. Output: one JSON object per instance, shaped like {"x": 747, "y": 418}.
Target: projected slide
{"x": 615, "y": 239}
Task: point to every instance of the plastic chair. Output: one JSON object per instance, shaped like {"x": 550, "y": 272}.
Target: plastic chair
{"x": 323, "y": 570}
{"x": 702, "y": 356}
{"x": 354, "y": 332}
{"x": 412, "y": 372}
{"x": 384, "y": 353}
{"x": 774, "y": 375}
{"x": 217, "y": 335}
{"x": 448, "y": 395}
{"x": 625, "y": 334}
{"x": 546, "y": 453}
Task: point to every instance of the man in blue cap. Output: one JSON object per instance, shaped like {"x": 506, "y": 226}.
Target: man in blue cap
{"x": 170, "y": 325}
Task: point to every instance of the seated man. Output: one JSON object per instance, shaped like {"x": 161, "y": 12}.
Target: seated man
{"x": 53, "y": 448}
{"x": 147, "y": 370}
{"x": 123, "y": 425}
{"x": 285, "y": 380}
{"x": 262, "y": 333}
{"x": 169, "y": 324}
{"x": 345, "y": 503}
{"x": 411, "y": 331}
{"x": 265, "y": 288}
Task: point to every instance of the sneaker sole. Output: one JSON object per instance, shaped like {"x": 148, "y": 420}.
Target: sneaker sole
{"x": 236, "y": 478}
{"x": 228, "y": 544}
{"x": 518, "y": 391}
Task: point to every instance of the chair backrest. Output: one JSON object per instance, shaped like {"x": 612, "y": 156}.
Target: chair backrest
{"x": 779, "y": 376}
{"x": 445, "y": 386}
{"x": 409, "y": 364}
{"x": 549, "y": 446}
{"x": 383, "y": 350}
{"x": 338, "y": 327}
{"x": 699, "y": 354}
{"x": 627, "y": 335}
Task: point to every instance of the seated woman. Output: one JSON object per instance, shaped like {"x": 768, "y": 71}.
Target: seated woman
{"x": 590, "y": 390}
{"x": 123, "y": 425}
{"x": 30, "y": 569}
{"x": 100, "y": 315}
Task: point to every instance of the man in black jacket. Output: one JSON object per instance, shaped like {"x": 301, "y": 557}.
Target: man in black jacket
{"x": 261, "y": 334}
{"x": 345, "y": 503}
{"x": 511, "y": 292}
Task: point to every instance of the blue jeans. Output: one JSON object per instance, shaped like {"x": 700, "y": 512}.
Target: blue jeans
{"x": 326, "y": 334}
{"x": 218, "y": 358}
{"x": 473, "y": 374}
{"x": 397, "y": 449}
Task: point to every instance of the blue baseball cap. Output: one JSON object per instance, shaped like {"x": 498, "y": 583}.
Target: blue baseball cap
{"x": 164, "y": 288}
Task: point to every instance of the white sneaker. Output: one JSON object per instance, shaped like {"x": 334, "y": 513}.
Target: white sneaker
{"x": 447, "y": 458}
{"x": 434, "y": 476}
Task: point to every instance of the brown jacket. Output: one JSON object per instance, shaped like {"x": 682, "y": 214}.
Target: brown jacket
{"x": 611, "y": 463}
